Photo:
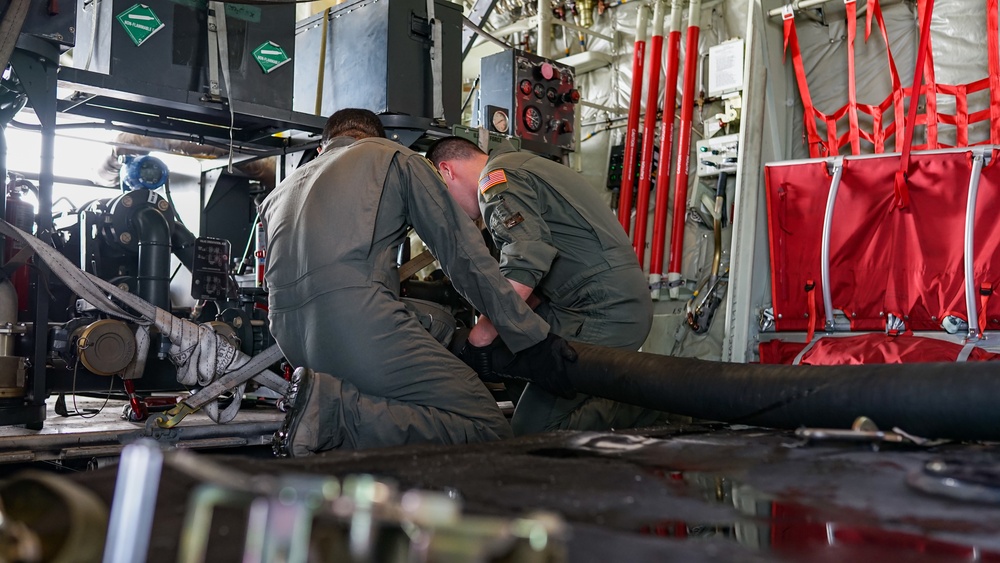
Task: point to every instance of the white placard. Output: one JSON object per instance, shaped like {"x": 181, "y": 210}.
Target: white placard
{"x": 725, "y": 68}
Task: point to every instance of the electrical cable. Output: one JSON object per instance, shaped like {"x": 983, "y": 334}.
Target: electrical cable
{"x": 76, "y": 409}
{"x": 472, "y": 93}
{"x": 253, "y": 234}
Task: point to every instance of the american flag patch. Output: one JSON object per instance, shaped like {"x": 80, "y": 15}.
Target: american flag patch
{"x": 491, "y": 179}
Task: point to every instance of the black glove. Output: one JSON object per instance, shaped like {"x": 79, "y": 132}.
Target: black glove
{"x": 544, "y": 364}
{"x": 482, "y": 359}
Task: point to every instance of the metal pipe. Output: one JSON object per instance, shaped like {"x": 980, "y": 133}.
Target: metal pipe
{"x": 666, "y": 151}
{"x": 970, "y": 236}
{"x": 544, "y": 36}
{"x": 581, "y": 29}
{"x": 683, "y": 150}
{"x": 649, "y": 133}
{"x": 797, "y": 6}
{"x": 632, "y": 129}
{"x": 933, "y": 400}
{"x": 831, "y": 201}
{"x": 153, "y": 274}
{"x": 182, "y": 242}
{"x": 134, "y": 502}
{"x": 483, "y": 33}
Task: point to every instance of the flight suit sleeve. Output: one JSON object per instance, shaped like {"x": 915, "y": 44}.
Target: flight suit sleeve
{"x": 454, "y": 240}
{"x": 512, "y": 214}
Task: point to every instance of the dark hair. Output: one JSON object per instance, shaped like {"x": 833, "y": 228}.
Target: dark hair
{"x": 352, "y": 122}
{"x": 452, "y": 148}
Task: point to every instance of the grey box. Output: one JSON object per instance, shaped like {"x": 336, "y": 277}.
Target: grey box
{"x": 378, "y": 58}
{"x": 51, "y": 20}
{"x": 176, "y": 58}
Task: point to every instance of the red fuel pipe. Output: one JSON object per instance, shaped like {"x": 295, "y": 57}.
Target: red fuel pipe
{"x": 632, "y": 128}
{"x": 649, "y": 132}
{"x": 666, "y": 150}
{"x": 683, "y": 150}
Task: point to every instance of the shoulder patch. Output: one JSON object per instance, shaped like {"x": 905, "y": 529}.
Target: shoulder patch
{"x": 491, "y": 180}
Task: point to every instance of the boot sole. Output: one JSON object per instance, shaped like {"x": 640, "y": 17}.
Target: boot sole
{"x": 293, "y": 418}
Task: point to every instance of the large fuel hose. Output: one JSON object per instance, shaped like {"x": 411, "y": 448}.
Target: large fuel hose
{"x": 933, "y": 400}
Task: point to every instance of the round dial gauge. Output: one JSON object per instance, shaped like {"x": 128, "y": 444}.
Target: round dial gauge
{"x": 532, "y": 119}
{"x": 552, "y": 95}
{"x": 539, "y": 91}
{"x": 525, "y": 87}
{"x": 499, "y": 121}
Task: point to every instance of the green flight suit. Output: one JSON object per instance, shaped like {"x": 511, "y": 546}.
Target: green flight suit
{"x": 556, "y": 235}
{"x": 333, "y": 228}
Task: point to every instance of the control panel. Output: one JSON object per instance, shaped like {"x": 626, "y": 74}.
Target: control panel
{"x": 527, "y": 96}
{"x": 718, "y": 154}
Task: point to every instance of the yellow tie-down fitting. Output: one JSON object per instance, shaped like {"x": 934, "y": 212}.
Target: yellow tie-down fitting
{"x": 170, "y": 418}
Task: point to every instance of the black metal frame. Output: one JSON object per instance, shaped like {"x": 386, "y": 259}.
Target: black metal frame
{"x": 162, "y": 112}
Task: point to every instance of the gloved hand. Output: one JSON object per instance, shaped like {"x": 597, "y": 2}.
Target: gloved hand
{"x": 544, "y": 364}
{"x": 482, "y": 359}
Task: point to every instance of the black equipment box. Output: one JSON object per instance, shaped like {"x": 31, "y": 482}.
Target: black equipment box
{"x": 378, "y": 58}
{"x": 49, "y": 19}
{"x": 527, "y": 96}
{"x": 210, "y": 273}
{"x": 164, "y": 45}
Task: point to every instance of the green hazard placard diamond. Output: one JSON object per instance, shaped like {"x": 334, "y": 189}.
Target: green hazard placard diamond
{"x": 140, "y": 23}
{"x": 270, "y": 56}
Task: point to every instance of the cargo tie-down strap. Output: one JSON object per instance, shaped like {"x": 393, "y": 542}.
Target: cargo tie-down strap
{"x": 202, "y": 356}
{"x": 828, "y": 142}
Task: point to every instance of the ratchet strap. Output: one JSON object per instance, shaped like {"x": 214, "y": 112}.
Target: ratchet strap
{"x": 10, "y": 30}
{"x": 436, "y": 53}
{"x": 415, "y": 264}
{"x": 219, "y": 58}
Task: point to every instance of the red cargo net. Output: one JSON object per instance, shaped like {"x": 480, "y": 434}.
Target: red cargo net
{"x": 893, "y": 105}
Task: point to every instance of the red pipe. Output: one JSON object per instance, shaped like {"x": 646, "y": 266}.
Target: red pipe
{"x": 649, "y": 132}
{"x": 666, "y": 149}
{"x": 683, "y": 149}
{"x": 632, "y": 128}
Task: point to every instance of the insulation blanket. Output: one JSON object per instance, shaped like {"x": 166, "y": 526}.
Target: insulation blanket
{"x": 884, "y": 260}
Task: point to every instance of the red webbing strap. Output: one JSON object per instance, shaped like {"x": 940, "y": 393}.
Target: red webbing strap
{"x": 994, "y": 67}
{"x": 929, "y": 89}
{"x": 902, "y": 198}
{"x": 962, "y": 116}
{"x": 852, "y": 94}
{"x": 832, "y": 140}
{"x": 811, "y": 300}
{"x": 792, "y": 40}
{"x": 875, "y": 12}
{"x": 985, "y": 291}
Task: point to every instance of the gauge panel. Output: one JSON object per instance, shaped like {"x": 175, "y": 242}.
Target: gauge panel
{"x": 538, "y": 95}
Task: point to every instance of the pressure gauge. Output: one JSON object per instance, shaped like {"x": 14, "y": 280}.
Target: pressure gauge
{"x": 525, "y": 87}
{"x": 532, "y": 119}
{"x": 500, "y": 121}
{"x": 552, "y": 95}
{"x": 539, "y": 91}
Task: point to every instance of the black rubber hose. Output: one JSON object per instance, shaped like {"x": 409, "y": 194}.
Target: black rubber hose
{"x": 153, "y": 276}
{"x": 933, "y": 400}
